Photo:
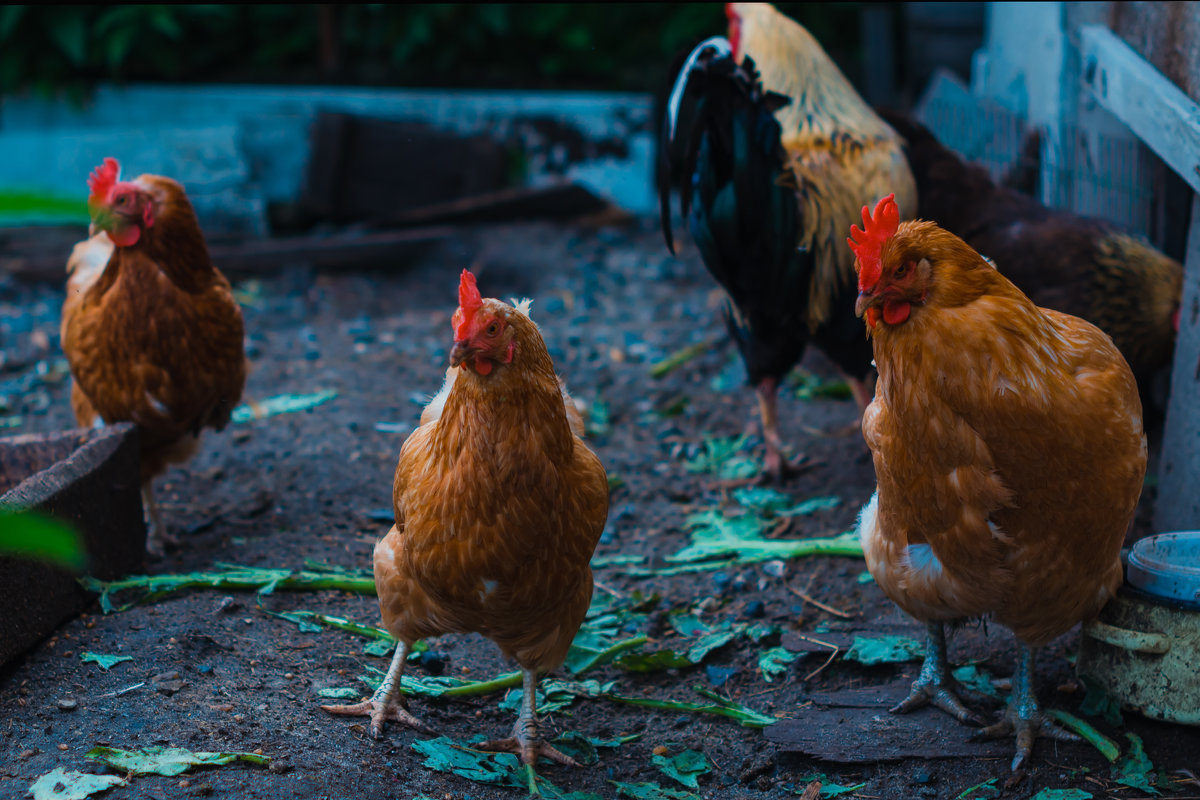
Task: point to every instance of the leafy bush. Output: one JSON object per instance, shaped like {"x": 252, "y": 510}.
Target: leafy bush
{"x": 68, "y": 49}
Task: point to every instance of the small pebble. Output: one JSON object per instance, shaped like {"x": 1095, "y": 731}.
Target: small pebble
{"x": 661, "y": 750}
{"x": 62, "y": 747}
{"x": 754, "y": 609}
{"x": 922, "y": 776}
{"x": 68, "y": 704}
{"x": 775, "y": 569}
{"x": 722, "y": 580}
{"x": 239, "y": 718}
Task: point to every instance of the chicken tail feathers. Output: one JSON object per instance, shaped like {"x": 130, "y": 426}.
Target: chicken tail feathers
{"x": 722, "y": 151}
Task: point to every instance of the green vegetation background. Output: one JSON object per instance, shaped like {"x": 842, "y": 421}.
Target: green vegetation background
{"x": 66, "y": 50}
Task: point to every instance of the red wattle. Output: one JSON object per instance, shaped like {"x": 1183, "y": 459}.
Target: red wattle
{"x": 896, "y": 311}
{"x": 482, "y": 365}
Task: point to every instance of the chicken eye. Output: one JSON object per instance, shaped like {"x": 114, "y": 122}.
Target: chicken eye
{"x": 901, "y": 270}
{"x": 493, "y": 328}
{"x": 122, "y": 199}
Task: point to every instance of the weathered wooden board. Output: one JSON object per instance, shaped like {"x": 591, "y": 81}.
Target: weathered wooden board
{"x": 1157, "y": 110}
{"x": 365, "y": 168}
{"x": 866, "y": 735}
{"x": 89, "y": 479}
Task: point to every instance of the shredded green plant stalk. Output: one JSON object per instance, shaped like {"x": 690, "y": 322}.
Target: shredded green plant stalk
{"x": 680, "y": 357}
{"x": 227, "y": 576}
{"x": 1107, "y": 747}
{"x": 748, "y": 717}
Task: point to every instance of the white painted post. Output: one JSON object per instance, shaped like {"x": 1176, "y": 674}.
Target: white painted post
{"x": 1179, "y": 472}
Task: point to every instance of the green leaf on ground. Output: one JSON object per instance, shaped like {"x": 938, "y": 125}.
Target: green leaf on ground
{"x": 987, "y": 786}
{"x": 583, "y": 748}
{"x": 280, "y": 404}
{"x": 653, "y": 661}
{"x": 340, "y": 693}
{"x": 775, "y": 662}
{"x": 715, "y": 535}
{"x": 1135, "y": 768}
{"x": 598, "y": 418}
{"x": 719, "y": 456}
{"x": 106, "y": 662}
{"x": 810, "y": 386}
{"x": 58, "y": 784}
{"x": 1098, "y": 703}
{"x": 651, "y": 791}
{"x": 156, "y": 760}
{"x": 980, "y": 680}
{"x": 1062, "y": 794}
{"x": 37, "y": 537}
{"x": 684, "y": 767}
{"x": 884, "y": 650}
{"x": 828, "y": 787}
{"x": 499, "y": 769}
{"x": 378, "y": 647}
{"x": 775, "y": 503}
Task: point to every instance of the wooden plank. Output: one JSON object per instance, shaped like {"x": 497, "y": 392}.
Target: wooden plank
{"x": 558, "y": 201}
{"x": 365, "y": 167}
{"x": 255, "y": 256}
{"x": 865, "y": 735}
{"x": 1178, "y": 506}
{"x": 1154, "y": 108}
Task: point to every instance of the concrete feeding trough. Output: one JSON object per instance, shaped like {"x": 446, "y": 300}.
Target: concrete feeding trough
{"x": 90, "y": 480}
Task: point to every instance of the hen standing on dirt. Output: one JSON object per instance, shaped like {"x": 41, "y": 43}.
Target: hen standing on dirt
{"x": 778, "y": 171}
{"x": 1009, "y": 453}
{"x": 149, "y": 325}
{"x": 499, "y": 507}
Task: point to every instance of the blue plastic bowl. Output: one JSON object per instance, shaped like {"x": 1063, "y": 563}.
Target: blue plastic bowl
{"x": 1167, "y": 565}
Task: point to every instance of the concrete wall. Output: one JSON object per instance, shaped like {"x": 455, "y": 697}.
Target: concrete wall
{"x": 601, "y": 140}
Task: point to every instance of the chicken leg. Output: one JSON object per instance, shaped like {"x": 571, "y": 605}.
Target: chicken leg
{"x": 935, "y": 684}
{"x": 526, "y": 742}
{"x": 159, "y": 538}
{"x": 775, "y": 466}
{"x": 1023, "y": 716}
{"x": 387, "y": 703}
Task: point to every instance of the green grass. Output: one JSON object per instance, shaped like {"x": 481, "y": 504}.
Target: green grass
{"x": 33, "y": 207}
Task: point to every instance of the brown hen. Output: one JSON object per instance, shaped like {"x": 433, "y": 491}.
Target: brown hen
{"x": 499, "y": 507}
{"x": 1009, "y": 452}
{"x": 150, "y": 327}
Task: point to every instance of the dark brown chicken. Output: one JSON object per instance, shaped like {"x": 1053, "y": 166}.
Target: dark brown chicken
{"x": 1080, "y": 266}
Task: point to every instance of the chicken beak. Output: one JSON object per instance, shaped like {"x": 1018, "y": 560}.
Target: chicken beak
{"x": 865, "y": 300}
{"x": 459, "y": 353}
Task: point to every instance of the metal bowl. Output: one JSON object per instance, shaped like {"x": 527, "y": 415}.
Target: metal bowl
{"x": 1167, "y": 566}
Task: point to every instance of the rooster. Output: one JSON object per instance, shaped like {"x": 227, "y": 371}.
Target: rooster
{"x": 775, "y": 153}
{"x": 1072, "y": 264}
{"x": 150, "y": 327}
{"x": 499, "y": 507}
{"x": 1009, "y": 452}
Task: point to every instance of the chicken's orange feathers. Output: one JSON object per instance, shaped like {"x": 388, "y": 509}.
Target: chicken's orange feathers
{"x": 868, "y": 242}
{"x": 102, "y": 180}
{"x": 469, "y": 301}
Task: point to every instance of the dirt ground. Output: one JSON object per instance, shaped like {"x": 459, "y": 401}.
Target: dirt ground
{"x": 211, "y": 672}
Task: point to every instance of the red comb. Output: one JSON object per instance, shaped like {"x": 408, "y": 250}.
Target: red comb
{"x": 103, "y": 179}
{"x": 735, "y": 27}
{"x": 469, "y": 301}
{"x": 868, "y": 242}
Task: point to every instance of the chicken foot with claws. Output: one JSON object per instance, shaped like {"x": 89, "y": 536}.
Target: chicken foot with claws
{"x": 526, "y": 742}
{"x": 1023, "y": 716}
{"x": 776, "y": 467}
{"x": 387, "y": 702}
{"x": 935, "y": 684}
